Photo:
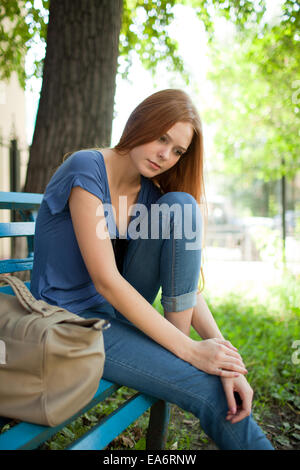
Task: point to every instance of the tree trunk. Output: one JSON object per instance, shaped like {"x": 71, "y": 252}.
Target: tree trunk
{"x": 77, "y": 96}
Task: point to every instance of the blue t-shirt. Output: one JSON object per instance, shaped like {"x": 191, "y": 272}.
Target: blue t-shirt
{"x": 59, "y": 275}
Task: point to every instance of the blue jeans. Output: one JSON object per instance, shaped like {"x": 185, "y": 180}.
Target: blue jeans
{"x": 135, "y": 360}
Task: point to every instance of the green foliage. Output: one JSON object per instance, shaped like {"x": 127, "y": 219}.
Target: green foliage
{"x": 144, "y": 32}
{"x": 145, "y": 22}
{"x": 243, "y": 13}
{"x": 285, "y": 297}
{"x": 256, "y": 116}
{"x": 21, "y": 22}
{"x": 265, "y": 334}
{"x": 269, "y": 244}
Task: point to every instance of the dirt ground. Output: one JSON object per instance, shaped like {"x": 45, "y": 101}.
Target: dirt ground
{"x": 281, "y": 425}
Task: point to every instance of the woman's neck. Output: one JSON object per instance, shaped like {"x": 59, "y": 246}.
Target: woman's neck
{"x": 122, "y": 175}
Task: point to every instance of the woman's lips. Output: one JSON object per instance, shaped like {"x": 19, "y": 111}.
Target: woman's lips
{"x": 154, "y": 165}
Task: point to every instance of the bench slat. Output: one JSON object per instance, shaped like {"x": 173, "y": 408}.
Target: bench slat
{"x": 103, "y": 433}
{"x": 16, "y": 229}
{"x": 27, "y": 436}
{"x": 14, "y": 265}
{"x": 14, "y": 200}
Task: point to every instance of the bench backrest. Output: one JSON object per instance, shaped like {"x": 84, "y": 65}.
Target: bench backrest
{"x": 26, "y": 205}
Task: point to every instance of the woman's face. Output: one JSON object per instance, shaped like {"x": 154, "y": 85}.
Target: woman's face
{"x": 156, "y": 157}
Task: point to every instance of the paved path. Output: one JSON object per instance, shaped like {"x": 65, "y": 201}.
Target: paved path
{"x": 250, "y": 277}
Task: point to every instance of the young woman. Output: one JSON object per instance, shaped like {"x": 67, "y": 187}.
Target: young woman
{"x": 114, "y": 227}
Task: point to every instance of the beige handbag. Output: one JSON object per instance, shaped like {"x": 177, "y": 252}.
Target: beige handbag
{"x": 51, "y": 360}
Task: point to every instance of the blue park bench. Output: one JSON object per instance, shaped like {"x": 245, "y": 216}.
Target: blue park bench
{"x": 23, "y": 435}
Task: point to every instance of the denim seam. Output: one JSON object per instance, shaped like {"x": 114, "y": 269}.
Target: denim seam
{"x": 179, "y": 254}
{"x": 173, "y": 265}
{"x": 177, "y": 263}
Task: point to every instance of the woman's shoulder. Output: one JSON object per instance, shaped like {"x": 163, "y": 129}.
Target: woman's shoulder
{"x": 82, "y": 168}
{"x": 84, "y": 157}
{"x": 80, "y": 162}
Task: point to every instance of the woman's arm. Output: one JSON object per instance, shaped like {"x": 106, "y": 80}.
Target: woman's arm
{"x": 88, "y": 216}
{"x": 203, "y": 321}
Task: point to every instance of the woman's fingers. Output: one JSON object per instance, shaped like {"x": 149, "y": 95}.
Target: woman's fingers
{"x": 214, "y": 357}
{"x": 229, "y": 392}
{"x": 228, "y": 359}
{"x": 243, "y": 399}
{"x": 234, "y": 358}
{"x": 227, "y": 343}
{"x": 241, "y": 413}
{"x": 225, "y": 373}
{"x": 230, "y": 350}
{"x": 236, "y": 366}
{"x": 231, "y": 353}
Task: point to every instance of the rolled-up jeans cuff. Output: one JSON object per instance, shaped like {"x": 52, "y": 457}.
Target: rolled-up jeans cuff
{"x": 179, "y": 302}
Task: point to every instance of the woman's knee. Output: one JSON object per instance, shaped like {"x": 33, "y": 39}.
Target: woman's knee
{"x": 177, "y": 197}
{"x": 183, "y": 208}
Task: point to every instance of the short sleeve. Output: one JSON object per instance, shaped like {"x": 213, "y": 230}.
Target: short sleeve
{"x": 83, "y": 168}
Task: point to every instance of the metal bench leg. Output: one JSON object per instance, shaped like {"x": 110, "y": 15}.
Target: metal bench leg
{"x": 158, "y": 426}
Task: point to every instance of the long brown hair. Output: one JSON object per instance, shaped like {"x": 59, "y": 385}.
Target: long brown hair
{"x": 150, "y": 120}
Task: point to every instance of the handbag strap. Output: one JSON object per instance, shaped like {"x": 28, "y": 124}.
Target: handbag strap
{"x": 26, "y": 299}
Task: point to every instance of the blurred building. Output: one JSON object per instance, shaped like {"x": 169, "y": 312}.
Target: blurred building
{"x": 14, "y": 150}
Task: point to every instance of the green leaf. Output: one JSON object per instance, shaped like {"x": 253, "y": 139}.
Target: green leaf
{"x": 283, "y": 440}
{"x": 68, "y": 433}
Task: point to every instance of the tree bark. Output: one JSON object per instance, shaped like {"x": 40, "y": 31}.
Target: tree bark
{"x": 77, "y": 97}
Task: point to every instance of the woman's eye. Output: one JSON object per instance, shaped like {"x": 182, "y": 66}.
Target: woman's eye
{"x": 178, "y": 153}
{"x": 163, "y": 139}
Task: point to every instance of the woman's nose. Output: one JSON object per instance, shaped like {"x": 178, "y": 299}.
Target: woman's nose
{"x": 164, "y": 153}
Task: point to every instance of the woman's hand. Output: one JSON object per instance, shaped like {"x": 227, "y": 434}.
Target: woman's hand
{"x": 217, "y": 356}
{"x": 239, "y": 406}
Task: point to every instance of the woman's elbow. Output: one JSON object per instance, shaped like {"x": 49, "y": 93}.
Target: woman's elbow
{"x": 107, "y": 282}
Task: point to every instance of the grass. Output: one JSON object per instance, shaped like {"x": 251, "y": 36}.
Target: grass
{"x": 268, "y": 338}
{"x": 265, "y": 340}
